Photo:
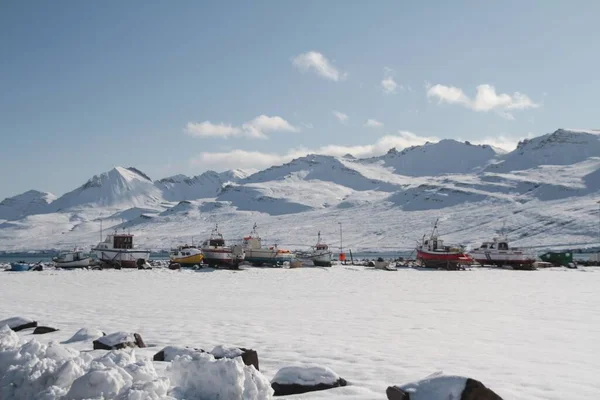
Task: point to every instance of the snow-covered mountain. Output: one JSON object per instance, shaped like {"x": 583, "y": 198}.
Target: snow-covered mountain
{"x": 30, "y": 202}
{"x": 545, "y": 191}
{"x": 118, "y": 188}
{"x": 208, "y": 184}
{"x": 444, "y": 157}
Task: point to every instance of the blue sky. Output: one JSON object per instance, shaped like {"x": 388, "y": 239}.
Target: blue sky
{"x": 182, "y": 87}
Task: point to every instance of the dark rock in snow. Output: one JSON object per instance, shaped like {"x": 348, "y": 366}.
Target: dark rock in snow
{"x": 249, "y": 356}
{"x": 118, "y": 340}
{"x": 40, "y": 330}
{"x": 442, "y": 388}
{"x": 297, "y": 380}
{"x": 19, "y": 323}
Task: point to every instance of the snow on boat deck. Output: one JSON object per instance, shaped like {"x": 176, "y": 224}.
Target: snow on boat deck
{"x": 526, "y": 335}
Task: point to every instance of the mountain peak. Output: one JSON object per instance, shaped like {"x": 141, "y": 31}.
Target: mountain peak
{"x": 29, "y": 202}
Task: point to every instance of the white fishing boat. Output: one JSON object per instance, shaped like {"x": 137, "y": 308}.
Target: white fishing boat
{"x": 321, "y": 256}
{"x": 256, "y": 254}
{"x": 217, "y": 254}
{"x": 499, "y": 252}
{"x": 117, "y": 250}
{"x": 72, "y": 259}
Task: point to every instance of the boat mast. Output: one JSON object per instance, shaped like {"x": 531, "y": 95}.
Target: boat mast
{"x": 341, "y": 242}
{"x": 434, "y": 228}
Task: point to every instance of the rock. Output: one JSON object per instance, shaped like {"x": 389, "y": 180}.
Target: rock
{"x": 174, "y": 266}
{"x": 85, "y": 334}
{"x": 442, "y": 387}
{"x": 297, "y": 380}
{"x": 118, "y": 340}
{"x": 40, "y": 330}
{"x": 475, "y": 390}
{"x": 249, "y": 356}
{"x": 19, "y": 323}
{"x": 170, "y": 352}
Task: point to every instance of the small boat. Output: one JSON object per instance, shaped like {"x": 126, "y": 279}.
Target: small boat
{"x": 117, "y": 250}
{"x": 187, "y": 256}
{"x": 258, "y": 255}
{"x": 72, "y": 259}
{"x": 431, "y": 253}
{"x": 498, "y": 252}
{"x": 19, "y": 266}
{"x": 217, "y": 254}
{"x": 321, "y": 256}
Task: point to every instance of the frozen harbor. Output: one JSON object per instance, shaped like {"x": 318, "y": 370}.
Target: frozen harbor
{"x": 526, "y": 335}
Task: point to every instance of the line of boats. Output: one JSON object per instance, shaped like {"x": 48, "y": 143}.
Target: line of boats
{"x": 117, "y": 250}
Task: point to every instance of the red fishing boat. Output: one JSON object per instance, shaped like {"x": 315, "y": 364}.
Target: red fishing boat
{"x": 432, "y": 253}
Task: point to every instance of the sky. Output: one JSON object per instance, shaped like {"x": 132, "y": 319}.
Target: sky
{"x": 188, "y": 86}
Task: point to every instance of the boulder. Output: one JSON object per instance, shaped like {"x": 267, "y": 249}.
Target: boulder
{"x": 170, "y": 352}
{"x": 85, "y": 334}
{"x": 297, "y": 380}
{"x": 442, "y": 387}
{"x": 249, "y": 356}
{"x": 40, "y": 330}
{"x": 19, "y": 323}
{"x": 118, "y": 340}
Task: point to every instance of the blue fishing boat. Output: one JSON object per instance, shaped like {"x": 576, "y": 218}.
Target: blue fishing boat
{"x": 19, "y": 266}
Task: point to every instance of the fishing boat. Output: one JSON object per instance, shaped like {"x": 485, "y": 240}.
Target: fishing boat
{"x": 187, "y": 256}
{"x": 72, "y": 259}
{"x": 432, "y": 253}
{"x": 321, "y": 256}
{"x": 498, "y": 252}
{"x": 217, "y": 254}
{"x": 19, "y": 266}
{"x": 258, "y": 255}
{"x": 117, "y": 250}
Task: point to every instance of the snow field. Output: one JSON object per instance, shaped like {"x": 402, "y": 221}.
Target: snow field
{"x": 525, "y": 335}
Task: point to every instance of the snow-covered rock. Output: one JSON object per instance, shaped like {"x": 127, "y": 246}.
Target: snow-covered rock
{"x": 202, "y": 377}
{"x": 169, "y": 353}
{"x": 85, "y": 334}
{"x": 118, "y": 340}
{"x": 248, "y": 356}
{"x": 18, "y": 323}
{"x": 296, "y": 380}
{"x": 41, "y": 330}
{"x": 442, "y": 387}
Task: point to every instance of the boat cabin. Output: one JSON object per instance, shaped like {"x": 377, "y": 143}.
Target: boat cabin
{"x": 321, "y": 246}
{"x": 495, "y": 245}
{"x": 184, "y": 251}
{"x": 117, "y": 241}
{"x": 252, "y": 242}
{"x": 71, "y": 256}
{"x": 434, "y": 244}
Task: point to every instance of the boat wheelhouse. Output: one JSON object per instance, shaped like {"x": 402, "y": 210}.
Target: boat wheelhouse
{"x": 216, "y": 253}
{"x": 257, "y": 255}
{"x": 117, "y": 250}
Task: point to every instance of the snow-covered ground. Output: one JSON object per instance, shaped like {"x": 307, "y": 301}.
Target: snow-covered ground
{"x": 526, "y": 335}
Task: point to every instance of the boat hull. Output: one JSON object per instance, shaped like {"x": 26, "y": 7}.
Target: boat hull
{"x": 217, "y": 258}
{"x": 19, "y": 267}
{"x": 440, "y": 259}
{"x": 122, "y": 258}
{"x": 322, "y": 260}
{"x": 502, "y": 258}
{"x": 189, "y": 261}
{"x": 267, "y": 256}
{"x": 84, "y": 263}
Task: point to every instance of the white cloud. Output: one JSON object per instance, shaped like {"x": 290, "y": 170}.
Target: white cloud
{"x": 340, "y": 116}
{"x": 255, "y": 159}
{"x": 388, "y": 84}
{"x": 504, "y": 142}
{"x": 373, "y": 123}
{"x": 208, "y": 129}
{"x": 485, "y": 100}
{"x": 256, "y": 128}
{"x": 318, "y": 63}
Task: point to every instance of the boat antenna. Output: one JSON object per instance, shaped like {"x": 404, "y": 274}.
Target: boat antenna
{"x": 100, "y": 228}
{"x": 319, "y": 237}
{"x": 254, "y": 228}
{"x": 434, "y": 227}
